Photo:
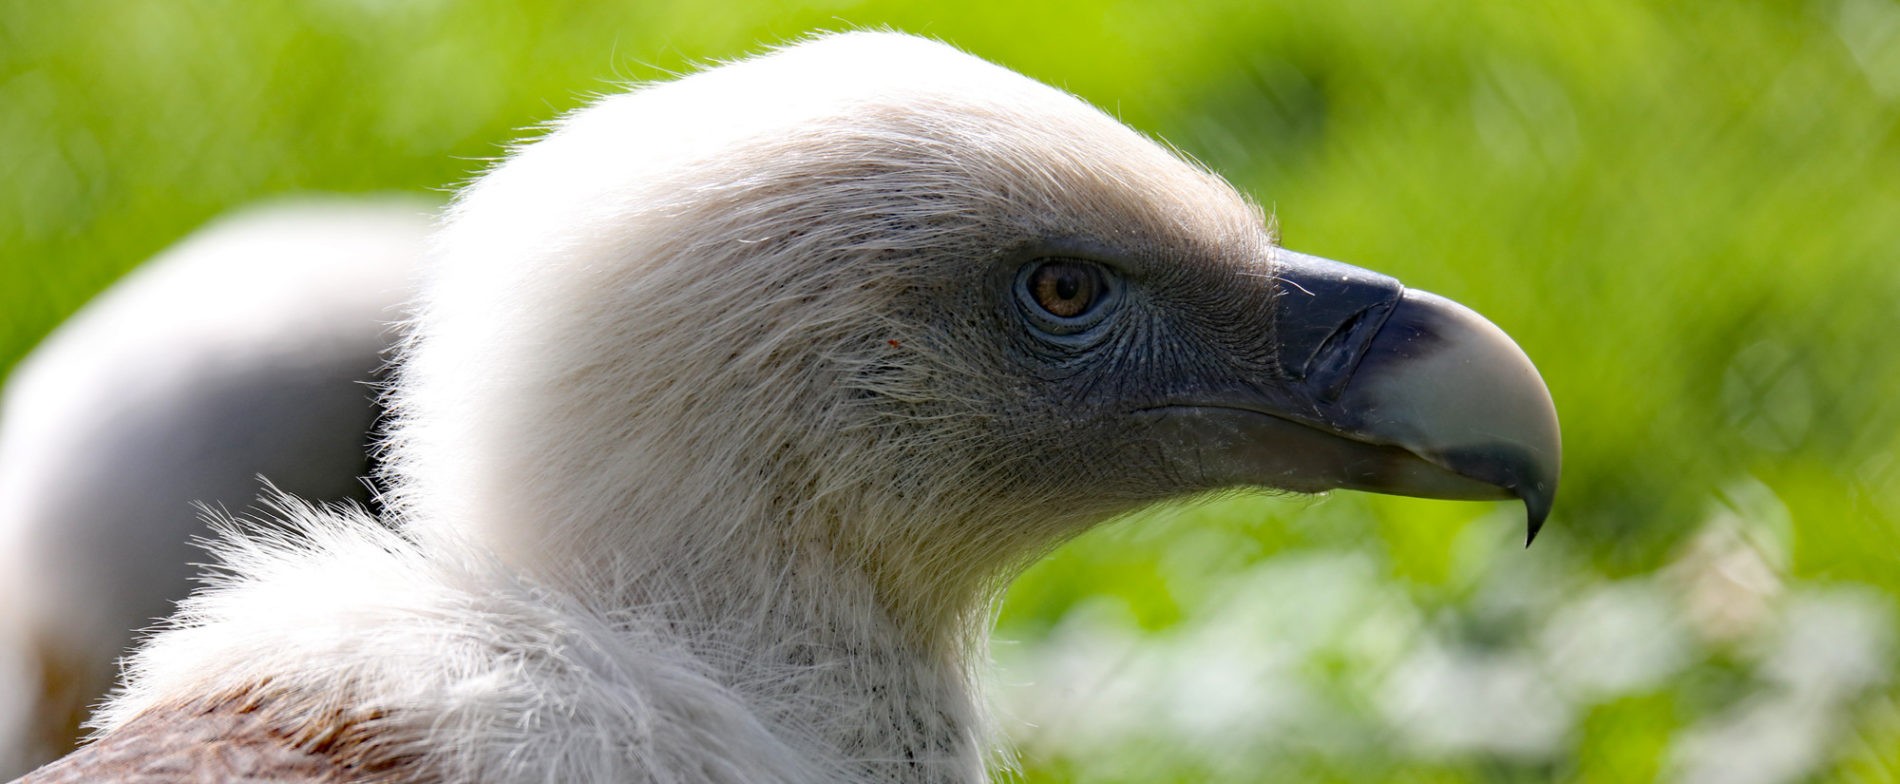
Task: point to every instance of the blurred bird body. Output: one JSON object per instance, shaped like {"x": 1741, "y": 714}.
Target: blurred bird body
{"x": 246, "y": 351}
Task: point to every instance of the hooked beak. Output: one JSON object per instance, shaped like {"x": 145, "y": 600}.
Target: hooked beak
{"x": 1384, "y": 389}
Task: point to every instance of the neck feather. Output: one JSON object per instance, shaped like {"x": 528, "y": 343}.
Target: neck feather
{"x": 838, "y": 619}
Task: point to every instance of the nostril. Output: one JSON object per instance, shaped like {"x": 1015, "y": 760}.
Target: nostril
{"x": 1332, "y": 366}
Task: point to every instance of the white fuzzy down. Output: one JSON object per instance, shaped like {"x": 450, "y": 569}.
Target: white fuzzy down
{"x": 500, "y": 680}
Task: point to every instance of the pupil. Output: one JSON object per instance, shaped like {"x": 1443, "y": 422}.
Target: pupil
{"x": 1068, "y": 284}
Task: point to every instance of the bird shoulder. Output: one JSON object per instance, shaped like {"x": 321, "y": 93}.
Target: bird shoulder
{"x": 238, "y": 739}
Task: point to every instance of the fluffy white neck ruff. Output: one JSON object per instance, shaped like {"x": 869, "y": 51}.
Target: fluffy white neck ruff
{"x": 498, "y": 678}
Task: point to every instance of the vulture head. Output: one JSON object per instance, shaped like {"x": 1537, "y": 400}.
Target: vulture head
{"x": 771, "y": 377}
{"x": 916, "y": 315}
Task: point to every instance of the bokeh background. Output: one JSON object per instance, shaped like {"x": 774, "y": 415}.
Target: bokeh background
{"x": 1687, "y": 213}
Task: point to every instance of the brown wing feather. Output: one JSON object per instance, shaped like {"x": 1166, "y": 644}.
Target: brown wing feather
{"x": 230, "y": 742}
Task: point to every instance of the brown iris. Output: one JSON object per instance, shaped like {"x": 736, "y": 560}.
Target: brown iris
{"x": 1065, "y": 288}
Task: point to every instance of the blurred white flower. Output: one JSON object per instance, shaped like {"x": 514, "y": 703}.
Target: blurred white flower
{"x": 1827, "y": 647}
{"x": 1449, "y": 701}
{"x": 1617, "y": 638}
{"x": 1832, "y": 643}
{"x": 1765, "y": 741}
{"x": 1730, "y": 574}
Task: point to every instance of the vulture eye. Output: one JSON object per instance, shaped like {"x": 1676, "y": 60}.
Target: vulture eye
{"x": 1066, "y": 295}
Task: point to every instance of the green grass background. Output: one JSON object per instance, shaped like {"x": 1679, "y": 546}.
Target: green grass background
{"x": 1687, "y": 213}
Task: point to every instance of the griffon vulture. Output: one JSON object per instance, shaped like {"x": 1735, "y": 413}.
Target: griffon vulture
{"x": 734, "y": 402}
{"x": 246, "y": 350}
